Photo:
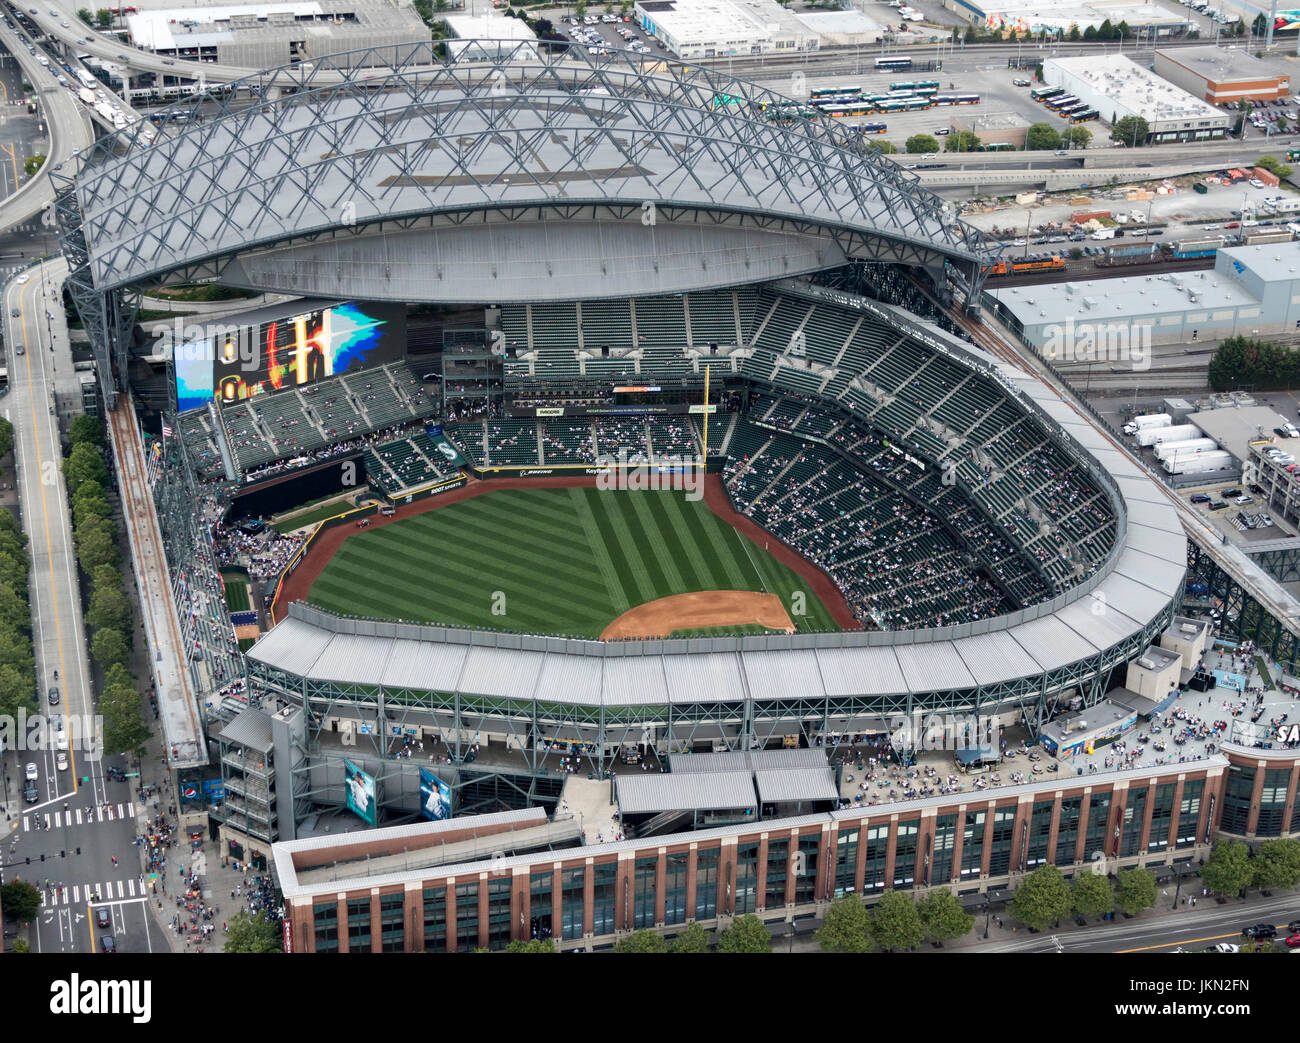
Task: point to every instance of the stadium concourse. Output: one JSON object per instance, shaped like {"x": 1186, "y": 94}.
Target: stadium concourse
{"x": 527, "y": 280}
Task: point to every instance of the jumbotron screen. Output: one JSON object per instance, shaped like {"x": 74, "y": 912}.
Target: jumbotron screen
{"x": 288, "y": 352}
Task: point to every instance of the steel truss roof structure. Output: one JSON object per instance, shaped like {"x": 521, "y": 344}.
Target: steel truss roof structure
{"x": 586, "y": 177}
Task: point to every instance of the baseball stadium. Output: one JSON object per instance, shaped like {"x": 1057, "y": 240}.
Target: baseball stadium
{"x": 576, "y": 413}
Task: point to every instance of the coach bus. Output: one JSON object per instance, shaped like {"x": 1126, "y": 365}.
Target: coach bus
{"x": 898, "y": 62}
{"x": 965, "y": 99}
{"x": 1044, "y": 93}
{"x": 834, "y": 92}
{"x": 1074, "y": 106}
{"x": 917, "y": 104}
{"x": 1085, "y": 116}
{"x": 891, "y": 106}
{"x": 919, "y": 85}
{"x": 997, "y": 146}
{"x": 866, "y": 128}
{"x": 840, "y": 111}
{"x": 1057, "y": 104}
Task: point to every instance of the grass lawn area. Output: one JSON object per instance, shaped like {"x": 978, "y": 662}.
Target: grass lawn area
{"x": 245, "y": 643}
{"x": 236, "y": 585}
{"x": 333, "y": 510}
{"x": 1263, "y": 671}
{"x": 551, "y": 561}
{"x": 744, "y": 630}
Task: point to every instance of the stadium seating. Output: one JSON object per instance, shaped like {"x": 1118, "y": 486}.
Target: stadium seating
{"x": 201, "y": 444}
{"x": 620, "y": 433}
{"x": 509, "y": 443}
{"x": 567, "y": 442}
{"x": 675, "y": 437}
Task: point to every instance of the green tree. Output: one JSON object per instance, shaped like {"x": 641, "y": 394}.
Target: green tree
{"x": 1135, "y": 890}
{"x": 962, "y": 141}
{"x": 6, "y": 437}
{"x": 1038, "y": 72}
{"x": 887, "y": 148}
{"x": 21, "y": 900}
{"x": 1269, "y": 163}
{"x": 921, "y": 143}
{"x": 847, "y": 927}
{"x": 1090, "y": 33}
{"x": 533, "y": 945}
{"x": 86, "y": 428}
{"x": 1042, "y": 899}
{"x": 33, "y": 163}
{"x": 693, "y": 938}
{"x": 104, "y": 18}
{"x": 1262, "y": 365}
{"x": 746, "y": 934}
{"x": 1074, "y": 33}
{"x": 643, "y": 940}
{"x": 109, "y": 606}
{"x": 895, "y": 923}
{"x": 124, "y": 729}
{"x": 1106, "y": 31}
{"x": 1260, "y": 25}
{"x": 85, "y": 15}
{"x": 13, "y": 570}
{"x": 1276, "y": 865}
{"x": 1130, "y": 131}
{"x": 1042, "y": 136}
{"x": 96, "y": 541}
{"x": 943, "y": 917}
{"x": 248, "y": 933}
{"x": 21, "y": 946}
{"x": 13, "y": 608}
{"x": 1091, "y": 894}
{"x": 84, "y": 464}
{"x": 1228, "y": 871}
{"x": 1076, "y": 137}
{"x": 110, "y": 648}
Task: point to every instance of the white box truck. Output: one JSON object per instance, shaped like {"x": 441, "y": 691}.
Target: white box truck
{"x": 1216, "y": 460}
{"x": 1173, "y": 433}
{"x": 1141, "y": 423}
{"x": 1187, "y": 447}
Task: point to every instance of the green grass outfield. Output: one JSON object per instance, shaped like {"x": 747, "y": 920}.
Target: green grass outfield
{"x": 236, "y": 591}
{"x": 564, "y": 561}
{"x": 312, "y": 517}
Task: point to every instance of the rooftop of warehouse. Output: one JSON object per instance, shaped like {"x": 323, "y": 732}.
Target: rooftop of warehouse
{"x": 1268, "y": 262}
{"x": 1134, "y": 87}
{"x": 1222, "y": 64}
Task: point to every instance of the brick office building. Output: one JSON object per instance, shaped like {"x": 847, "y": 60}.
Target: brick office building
{"x": 1219, "y": 74}
{"x": 472, "y": 882}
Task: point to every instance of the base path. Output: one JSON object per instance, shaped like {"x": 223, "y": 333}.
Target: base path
{"x": 327, "y": 542}
{"x": 704, "y": 608}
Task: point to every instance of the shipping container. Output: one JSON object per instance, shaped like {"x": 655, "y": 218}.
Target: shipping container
{"x": 1267, "y": 176}
{"x": 1218, "y": 460}
{"x": 1141, "y": 423}
{"x": 1173, "y": 433}
{"x": 1185, "y": 447}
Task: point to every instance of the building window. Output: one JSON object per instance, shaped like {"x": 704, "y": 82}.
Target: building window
{"x": 467, "y": 917}
{"x": 1236, "y": 799}
{"x": 1272, "y": 802}
{"x": 604, "y": 897}
{"x": 746, "y": 877}
{"x": 675, "y": 872}
{"x": 1004, "y": 828}
{"x": 359, "y": 925}
{"x": 1131, "y": 828}
{"x": 539, "y": 904}
{"x": 1162, "y": 816}
{"x": 706, "y": 883}
{"x": 905, "y": 854}
{"x": 945, "y": 843}
{"x": 572, "y": 900}
{"x": 778, "y": 869}
{"x": 435, "y": 919}
{"x": 643, "y": 898}
{"x": 805, "y": 881}
{"x": 392, "y": 923}
{"x": 846, "y": 861}
{"x": 873, "y": 877}
{"x": 1095, "y": 840}
{"x": 325, "y": 921}
{"x": 972, "y": 849}
{"x": 1040, "y": 832}
{"x": 499, "y": 913}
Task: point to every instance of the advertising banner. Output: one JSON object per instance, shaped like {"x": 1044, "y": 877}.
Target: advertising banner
{"x": 435, "y": 796}
{"x": 360, "y": 792}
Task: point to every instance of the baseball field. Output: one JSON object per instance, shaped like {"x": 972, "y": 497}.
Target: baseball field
{"x": 569, "y": 561}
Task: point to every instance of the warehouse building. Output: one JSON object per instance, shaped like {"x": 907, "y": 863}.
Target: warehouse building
{"x": 1220, "y": 74}
{"x": 1252, "y": 291}
{"x": 712, "y": 28}
{"x": 1117, "y": 87}
{"x": 484, "y": 37}
{"x": 263, "y": 36}
{"x": 993, "y": 128}
{"x": 1063, "y": 15}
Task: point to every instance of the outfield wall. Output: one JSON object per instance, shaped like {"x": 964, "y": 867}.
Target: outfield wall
{"x": 712, "y": 466}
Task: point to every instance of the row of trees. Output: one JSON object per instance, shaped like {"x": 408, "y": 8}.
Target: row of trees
{"x": 1232, "y": 870}
{"x": 95, "y": 535}
{"x": 1260, "y": 365}
{"x": 101, "y": 19}
{"x": 17, "y": 663}
{"x": 1046, "y": 896}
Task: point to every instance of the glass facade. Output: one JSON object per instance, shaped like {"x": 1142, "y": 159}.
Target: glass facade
{"x": 805, "y": 881}
{"x": 1162, "y": 817}
{"x": 499, "y": 913}
{"x": 1236, "y": 799}
{"x": 1004, "y": 835}
{"x": 846, "y": 861}
{"x": 540, "y": 886}
{"x": 676, "y": 871}
{"x": 1040, "y": 833}
{"x": 572, "y": 882}
{"x": 877, "y": 847}
{"x": 972, "y": 850}
{"x": 358, "y": 925}
{"x": 325, "y": 922}
{"x": 706, "y": 883}
{"x": 392, "y": 924}
{"x": 467, "y": 917}
{"x": 1135, "y": 811}
{"x": 604, "y": 897}
{"x": 1096, "y": 842}
{"x": 1272, "y": 802}
{"x": 435, "y": 919}
{"x": 746, "y": 878}
{"x": 643, "y": 891}
{"x": 905, "y": 854}
{"x": 1067, "y": 831}
{"x": 778, "y": 871}
{"x": 1189, "y": 812}
{"x": 945, "y": 843}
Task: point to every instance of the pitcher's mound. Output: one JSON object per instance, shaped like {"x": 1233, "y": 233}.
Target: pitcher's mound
{"x": 705, "y": 608}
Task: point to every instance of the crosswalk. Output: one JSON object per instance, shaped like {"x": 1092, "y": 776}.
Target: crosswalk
{"x": 108, "y": 891}
{"x": 76, "y": 816}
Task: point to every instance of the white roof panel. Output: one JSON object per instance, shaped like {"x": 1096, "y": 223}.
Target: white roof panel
{"x": 424, "y": 664}
{"x": 354, "y": 659}
{"x": 703, "y": 678}
{"x": 933, "y": 666}
{"x": 501, "y": 671}
{"x": 868, "y": 671}
{"x": 784, "y": 673}
{"x": 995, "y": 657}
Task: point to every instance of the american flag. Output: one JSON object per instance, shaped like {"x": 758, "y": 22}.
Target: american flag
{"x": 166, "y": 429}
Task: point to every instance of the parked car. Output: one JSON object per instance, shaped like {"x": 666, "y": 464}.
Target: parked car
{"x": 1200, "y": 498}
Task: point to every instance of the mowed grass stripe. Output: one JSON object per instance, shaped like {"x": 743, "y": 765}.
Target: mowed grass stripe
{"x": 784, "y": 582}
{"x": 622, "y": 550}
{"x": 719, "y": 535}
{"x": 650, "y": 513}
{"x": 600, "y": 552}
{"x": 680, "y": 511}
